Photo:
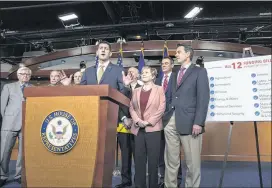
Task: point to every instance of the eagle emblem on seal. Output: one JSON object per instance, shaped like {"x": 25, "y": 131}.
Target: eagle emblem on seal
{"x": 59, "y": 130}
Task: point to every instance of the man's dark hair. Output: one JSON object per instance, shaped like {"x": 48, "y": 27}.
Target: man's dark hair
{"x": 187, "y": 49}
{"x": 104, "y": 42}
{"x": 169, "y": 58}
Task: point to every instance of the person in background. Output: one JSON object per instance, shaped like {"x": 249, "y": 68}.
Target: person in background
{"x": 166, "y": 81}
{"x": 11, "y": 110}
{"x": 58, "y": 78}
{"x": 125, "y": 138}
{"x": 54, "y": 78}
{"x": 185, "y": 119}
{"x": 77, "y": 77}
{"x": 146, "y": 108}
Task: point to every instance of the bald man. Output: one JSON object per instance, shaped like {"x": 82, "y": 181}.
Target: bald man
{"x": 54, "y": 78}
{"x": 77, "y": 77}
{"x": 125, "y": 138}
{"x": 59, "y": 78}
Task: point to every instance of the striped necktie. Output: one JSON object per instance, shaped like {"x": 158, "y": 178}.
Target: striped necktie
{"x": 165, "y": 83}
{"x": 181, "y": 74}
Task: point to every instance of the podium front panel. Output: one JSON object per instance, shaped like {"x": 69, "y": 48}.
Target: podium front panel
{"x": 70, "y": 165}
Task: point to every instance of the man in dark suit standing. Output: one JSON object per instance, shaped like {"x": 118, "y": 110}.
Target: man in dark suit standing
{"x": 125, "y": 137}
{"x": 185, "y": 119}
{"x": 107, "y": 73}
{"x": 166, "y": 80}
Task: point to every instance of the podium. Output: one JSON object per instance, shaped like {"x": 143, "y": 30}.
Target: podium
{"x": 69, "y": 135}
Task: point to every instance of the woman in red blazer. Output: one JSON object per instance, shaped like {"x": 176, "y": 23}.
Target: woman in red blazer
{"x": 146, "y": 108}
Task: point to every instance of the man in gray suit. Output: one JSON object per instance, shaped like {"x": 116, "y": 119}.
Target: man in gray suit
{"x": 185, "y": 119}
{"x": 11, "y": 110}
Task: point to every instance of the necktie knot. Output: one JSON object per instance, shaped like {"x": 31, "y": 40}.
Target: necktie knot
{"x": 182, "y": 69}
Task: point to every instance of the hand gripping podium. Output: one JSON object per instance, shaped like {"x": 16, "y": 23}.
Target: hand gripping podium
{"x": 69, "y": 135}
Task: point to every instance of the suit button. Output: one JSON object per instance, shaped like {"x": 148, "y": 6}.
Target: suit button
{"x": 173, "y": 107}
{"x": 176, "y": 97}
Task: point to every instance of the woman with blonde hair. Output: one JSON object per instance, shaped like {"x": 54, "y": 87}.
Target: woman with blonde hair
{"x": 146, "y": 108}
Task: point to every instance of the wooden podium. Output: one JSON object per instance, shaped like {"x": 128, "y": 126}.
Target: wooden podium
{"x": 90, "y": 162}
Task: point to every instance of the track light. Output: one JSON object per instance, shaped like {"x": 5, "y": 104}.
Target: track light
{"x": 67, "y": 17}
{"x": 194, "y": 12}
{"x": 69, "y": 20}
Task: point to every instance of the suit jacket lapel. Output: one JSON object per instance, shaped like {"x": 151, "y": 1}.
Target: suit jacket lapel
{"x": 18, "y": 88}
{"x": 169, "y": 86}
{"x": 138, "y": 98}
{"x": 151, "y": 97}
{"x": 107, "y": 71}
{"x": 187, "y": 73}
{"x": 94, "y": 72}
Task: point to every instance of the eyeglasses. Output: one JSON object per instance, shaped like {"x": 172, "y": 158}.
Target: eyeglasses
{"x": 24, "y": 74}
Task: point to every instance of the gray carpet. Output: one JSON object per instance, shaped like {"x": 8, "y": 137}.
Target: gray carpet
{"x": 237, "y": 174}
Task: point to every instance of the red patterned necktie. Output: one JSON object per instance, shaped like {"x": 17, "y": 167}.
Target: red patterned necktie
{"x": 181, "y": 74}
{"x": 165, "y": 82}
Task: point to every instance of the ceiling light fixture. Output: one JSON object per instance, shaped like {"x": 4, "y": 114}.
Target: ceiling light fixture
{"x": 194, "y": 12}
{"x": 67, "y": 17}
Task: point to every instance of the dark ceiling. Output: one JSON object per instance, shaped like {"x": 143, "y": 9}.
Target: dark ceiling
{"x": 27, "y": 25}
{"x": 95, "y": 12}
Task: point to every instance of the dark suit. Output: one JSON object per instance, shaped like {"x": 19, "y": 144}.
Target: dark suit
{"x": 127, "y": 147}
{"x": 189, "y": 107}
{"x": 112, "y": 76}
{"x": 168, "y": 97}
{"x": 190, "y": 100}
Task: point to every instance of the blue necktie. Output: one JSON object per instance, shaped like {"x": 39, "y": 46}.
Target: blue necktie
{"x": 23, "y": 87}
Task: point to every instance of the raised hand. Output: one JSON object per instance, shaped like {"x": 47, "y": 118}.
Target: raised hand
{"x": 64, "y": 79}
{"x": 127, "y": 80}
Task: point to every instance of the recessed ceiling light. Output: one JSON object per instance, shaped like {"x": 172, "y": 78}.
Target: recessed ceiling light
{"x": 194, "y": 12}
{"x": 67, "y": 17}
{"x": 265, "y": 14}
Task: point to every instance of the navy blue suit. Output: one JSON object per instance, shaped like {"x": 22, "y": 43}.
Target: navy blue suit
{"x": 168, "y": 98}
{"x": 112, "y": 77}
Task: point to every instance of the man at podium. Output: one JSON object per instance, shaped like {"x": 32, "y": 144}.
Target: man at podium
{"x": 107, "y": 73}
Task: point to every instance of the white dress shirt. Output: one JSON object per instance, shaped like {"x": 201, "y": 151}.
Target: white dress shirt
{"x": 186, "y": 67}
{"x": 105, "y": 67}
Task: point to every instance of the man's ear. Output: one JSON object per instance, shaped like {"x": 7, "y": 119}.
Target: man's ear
{"x": 110, "y": 54}
{"x": 96, "y": 53}
{"x": 188, "y": 54}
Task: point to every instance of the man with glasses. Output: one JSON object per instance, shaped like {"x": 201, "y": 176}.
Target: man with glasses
{"x": 12, "y": 97}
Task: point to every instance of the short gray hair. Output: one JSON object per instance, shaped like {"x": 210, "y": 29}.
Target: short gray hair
{"x": 24, "y": 69}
